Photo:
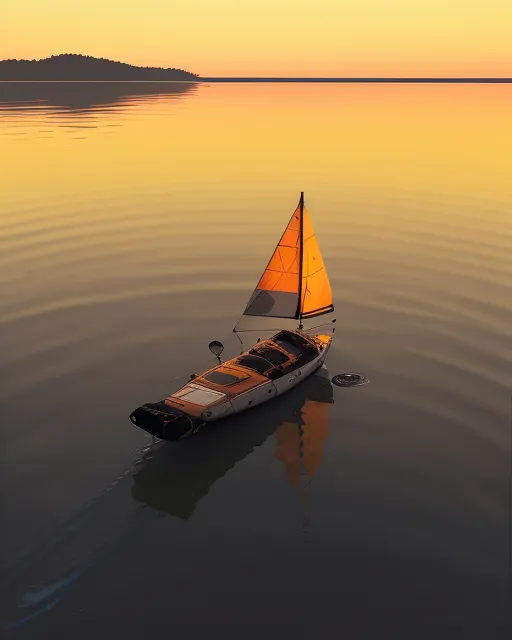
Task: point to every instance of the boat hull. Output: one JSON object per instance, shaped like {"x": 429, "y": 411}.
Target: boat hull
{"x": 170, "y": 423}
{"x": 275, "y": 388}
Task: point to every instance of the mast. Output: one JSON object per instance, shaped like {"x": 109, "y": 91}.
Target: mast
{"x": 301, "y": 253}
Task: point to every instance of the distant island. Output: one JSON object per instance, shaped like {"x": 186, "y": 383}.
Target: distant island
{"x": 74, "y": 67}
{"x": 69, "y": 66}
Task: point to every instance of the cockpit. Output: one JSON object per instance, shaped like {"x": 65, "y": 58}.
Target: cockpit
{"x": 284, "y": 352}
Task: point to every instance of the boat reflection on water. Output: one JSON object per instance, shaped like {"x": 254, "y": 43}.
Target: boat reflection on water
{"x": 178, "y": 475}
{"x": 300, "y": 442}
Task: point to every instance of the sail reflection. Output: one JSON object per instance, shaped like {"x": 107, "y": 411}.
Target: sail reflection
{"x": 300, "y": 443}
{"x": 84, "y": 97}
{"x": 179, "y": 474}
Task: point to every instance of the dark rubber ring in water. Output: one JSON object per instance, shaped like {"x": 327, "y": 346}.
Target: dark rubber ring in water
{"x": 349, "y": 380}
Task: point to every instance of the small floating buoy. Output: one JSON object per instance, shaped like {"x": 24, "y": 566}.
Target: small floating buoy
{"x": 349, "y": 380}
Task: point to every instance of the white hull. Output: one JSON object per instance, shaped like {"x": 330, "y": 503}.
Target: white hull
{"x": 266, "y": 391}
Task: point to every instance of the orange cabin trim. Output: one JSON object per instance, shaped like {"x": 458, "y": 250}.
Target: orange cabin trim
{"x": 249, "y": 379}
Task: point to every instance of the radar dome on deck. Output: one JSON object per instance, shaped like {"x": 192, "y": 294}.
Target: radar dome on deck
{"x": 216, "y": 347}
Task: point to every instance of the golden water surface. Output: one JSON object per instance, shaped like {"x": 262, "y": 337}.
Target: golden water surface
{"x": 135, "y": 221}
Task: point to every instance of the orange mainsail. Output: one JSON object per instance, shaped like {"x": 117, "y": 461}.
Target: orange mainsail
{"x": 295, "y": 282}
{"x": 316, "y": 294}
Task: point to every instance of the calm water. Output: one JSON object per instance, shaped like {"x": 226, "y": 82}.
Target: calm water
{"x": 135, "y": 221}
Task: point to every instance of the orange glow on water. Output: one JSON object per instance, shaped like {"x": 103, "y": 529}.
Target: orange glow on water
{"x": 451, "y": 138}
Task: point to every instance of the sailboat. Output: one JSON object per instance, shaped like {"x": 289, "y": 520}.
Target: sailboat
{"x": 294, "y": 287}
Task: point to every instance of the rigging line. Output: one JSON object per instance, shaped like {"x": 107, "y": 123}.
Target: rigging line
{"x": 240, "y": 340}
{"x": 261, "y": 329}
{"x": 193, "y": 367}
{"x": 283, "y": 270}
{"x": 310, "y": 275}
{"x": 324, "y": 324}
{"x": 280, "y": 257}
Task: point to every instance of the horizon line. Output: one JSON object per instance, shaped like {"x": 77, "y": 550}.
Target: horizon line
{"x": 307, "y": 79}
{"x": 354, "y": 79}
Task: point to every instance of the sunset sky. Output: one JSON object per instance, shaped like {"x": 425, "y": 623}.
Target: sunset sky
{"x": 270, "y": 37}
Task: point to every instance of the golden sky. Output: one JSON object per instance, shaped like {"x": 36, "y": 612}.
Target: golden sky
{"x": 270, "y": 37}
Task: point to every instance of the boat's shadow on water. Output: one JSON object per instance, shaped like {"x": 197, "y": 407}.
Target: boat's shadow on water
{"x": 177, "y": 475}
